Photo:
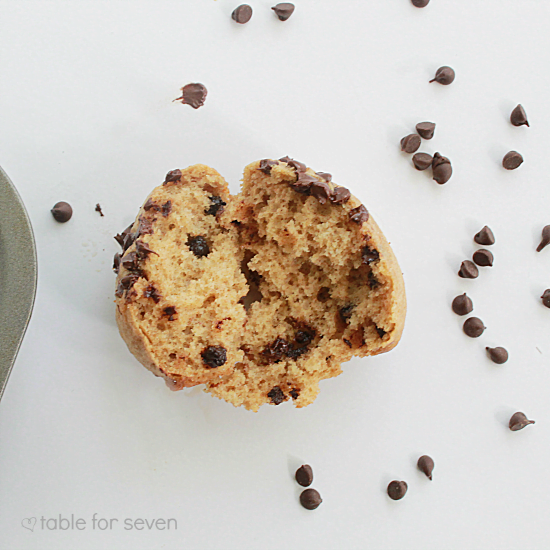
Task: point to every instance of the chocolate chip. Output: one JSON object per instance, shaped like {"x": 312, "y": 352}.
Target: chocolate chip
{"x": 426, "y": 466}
{"x": 397, "y": 490}
{"x": 128, "y": 241}
{"x": 304, "y": 475}
{"x": 298, "y": 166}
{"x": 116, "y": 263}
{"x": 381, "y": 332}
{"x": 242, "y": 14}
{"x": 172, "y": 176}
{"x": 473, "y": 327}
{"x": 215, "y": 204}
{"x": 170, "y": 312}
{"x": 321, "y": 191}
{"x": 283, "y": 10}
{"x": 512, "y": 160}
{"x": 546, "y": 297}
{"x": 420, "y": 3}
{"x": 346, "y": 312}
{"x": 426, "y": 129}
{"x": 126, "y": 283}
{"x": 519, "y": 117}
{"x": 340, "y": 195}
{"x": 276, "y": 350}
{"x": 130, "y": 262}
{"x": 193, "y": 94}
{"x": 325, "y": 175}
{"x": 304, "y": 336}
{"x": 120, "y": 237}
{"x": 497, "y": 355}
{"x": 369, "y": 255}
{"x": 485, "y": 237}
{"x": 518, "y": 421}
{"x": 166, "y": 208}
{"x": 266, "y": 165}
{"x": 444, "y": 75}
{"x": 358, "y": 215}
{"x": 294, "y": 393}
{"x": 198, "y": 246}
{"x": 304, "y": 182}
{"x": 462, "y": 305}
{"x": 422, "y": 161}
{"x": 98, "y": 209}
{"x": 276, "y": 395}
{"x": 310, "y": 499}
{"x": 347, "y": 342}
{"x": 442, "y": 169}
{"x": 143, "y": 250}
{"x": 145, "y": 227}
{"x": 372, "y": 281}
{"x": 410, "y": 143}
{"x": 62, "y": 212}
{"x": 153, "y": 293}
{"x": 483, "y": 257}
{"x": 545, "y": 238}
{"x": 214, "y": 356}
{"x": 468, "y": 270}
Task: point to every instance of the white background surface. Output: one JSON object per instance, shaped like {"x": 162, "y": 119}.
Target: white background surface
{"x": 86, "y": 116}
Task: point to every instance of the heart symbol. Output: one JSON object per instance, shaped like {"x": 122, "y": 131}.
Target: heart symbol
{"x": 29, "y": 523}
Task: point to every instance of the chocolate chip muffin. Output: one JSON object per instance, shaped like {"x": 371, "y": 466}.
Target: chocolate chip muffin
{"x": 179, "y": 281}
{"x": 305, "y": 282}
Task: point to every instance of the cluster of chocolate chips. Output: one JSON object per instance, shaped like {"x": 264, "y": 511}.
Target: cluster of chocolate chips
{"x": 318, "y": 187}
{"x": 544, "y": 242}
{"x": 441, "y": 166}
{"x": 310, "y": 499}
{"x": 398, "y": 489}
{"x": 243, "y": 13}
{"x": 513, "y": 159}
{"x": 463, "y": 305}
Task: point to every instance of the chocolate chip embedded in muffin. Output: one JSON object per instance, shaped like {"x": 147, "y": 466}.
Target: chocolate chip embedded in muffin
{"x": 266, "y": 165}
{"x": 173, "y": 176}
{"x": 321, "y": 191}
{"x": 214, "y": 356}
{"x": 340, "y": 195}
{"x": 216, "y": 204}
{"x": 358, "y": 215}
{"x": 170, "y": 312}
{"x": 276, "y": 395}
{"x": 198, "y": 246}
{"x": 276, "y": 350}
{"x": 346, "y": 312}
{"x": 369, "y": 255}
{"x": 116, "y": 263}
{"x": 153, "y": 293}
